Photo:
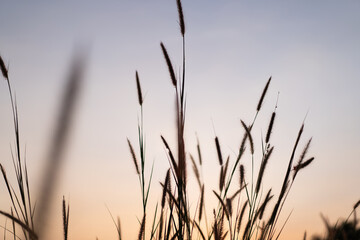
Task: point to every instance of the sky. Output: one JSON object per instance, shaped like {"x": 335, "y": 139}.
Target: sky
{"x": 310, "y": 48}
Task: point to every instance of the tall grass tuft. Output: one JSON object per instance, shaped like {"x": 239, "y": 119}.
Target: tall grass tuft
{"x": 239, "y": 214}
{"x": 22, "y": 209}
{"x": 145, "y": 187}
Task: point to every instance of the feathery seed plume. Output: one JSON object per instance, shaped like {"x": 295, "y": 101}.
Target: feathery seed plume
{"x": 138, "y": 86}
{"x": 133, "y": 156}
{"x": 263, "y": 95}
{"x": 181, "y": 17}
{"x": 169, "y": 64}
{"x": 271, "y": 124}
{"x": 3, "y": 68}
{"x": 218, "y": 149}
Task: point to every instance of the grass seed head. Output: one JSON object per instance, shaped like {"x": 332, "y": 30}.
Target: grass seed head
{"x": 242, "y": 175}
{"x": 271, "y": 124}
{"x": 169, "y": 64}
{"x": 133, "y": 157}
{"x": 218, "y": 149}
{"x": 263, "y": 95}
{"x": 3, "y": 69}
{"x": 181, "y": 17}
{"x": 138, "y": 86}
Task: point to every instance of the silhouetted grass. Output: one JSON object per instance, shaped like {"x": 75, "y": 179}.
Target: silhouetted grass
{"x": 22, "y": 207}
{"x": 65, "y": 214}
{"x": 175, "y": 221}
{"x": 22, "y": 211}
{"x": 342, "y": 229}
{"x": 242, "y": 212}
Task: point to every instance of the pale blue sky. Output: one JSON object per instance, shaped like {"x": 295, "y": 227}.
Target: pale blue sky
{"x": 311, "y": 48}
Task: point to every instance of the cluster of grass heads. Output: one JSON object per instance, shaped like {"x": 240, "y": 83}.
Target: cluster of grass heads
{"x": 242, "y": 212}
{"x": 239, "y": 214}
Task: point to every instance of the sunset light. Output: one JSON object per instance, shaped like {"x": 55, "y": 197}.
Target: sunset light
{"x": 179, "y": 119}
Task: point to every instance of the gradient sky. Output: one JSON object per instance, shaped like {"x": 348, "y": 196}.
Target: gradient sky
{"x": 310, "y": 48}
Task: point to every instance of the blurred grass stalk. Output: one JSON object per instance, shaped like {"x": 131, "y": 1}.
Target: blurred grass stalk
{"x": 23, "y": 210}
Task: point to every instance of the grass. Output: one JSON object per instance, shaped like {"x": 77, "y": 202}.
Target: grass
{"x": 28, "y": 215}
{"x": 242, "y": 210}
{"x": 246, "y": 222}
{"x": 342, "y": 229}
{"x": 21, "y": 210}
